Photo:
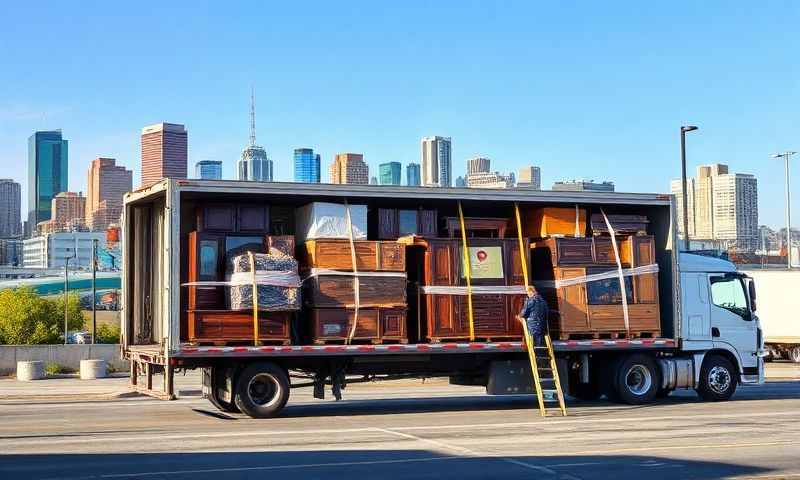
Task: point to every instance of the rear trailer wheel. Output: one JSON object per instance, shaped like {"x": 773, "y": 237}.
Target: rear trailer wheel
{"x": 262, "y": 390}
{"x": 218, "y": 380}
{"x": 718, "y": 379}
{"x": 637, "y": 380}
{"x": 794, "y": 354}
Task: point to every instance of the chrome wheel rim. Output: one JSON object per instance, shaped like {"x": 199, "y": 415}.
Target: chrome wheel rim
{"x": 719, "y": 379}
{"x": 263, "y": 389}
{"x": 638, "y": 379}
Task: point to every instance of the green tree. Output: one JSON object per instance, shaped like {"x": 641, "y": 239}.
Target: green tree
{"x": 27, "y": 318}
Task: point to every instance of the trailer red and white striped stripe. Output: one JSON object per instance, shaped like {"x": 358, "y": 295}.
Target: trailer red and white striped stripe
{"x": 426, "y": 348}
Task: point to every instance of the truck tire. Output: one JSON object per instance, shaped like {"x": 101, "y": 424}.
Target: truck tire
{"x": 718, "y": 379}
{"x": 637, "y": 379}
{"x": 217, "y": 377}
{"x": 794, "y": 354}
{"x": 262, "y": 390}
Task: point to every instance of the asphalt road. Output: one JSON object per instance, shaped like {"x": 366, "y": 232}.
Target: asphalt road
{"x": 406, "y": 430}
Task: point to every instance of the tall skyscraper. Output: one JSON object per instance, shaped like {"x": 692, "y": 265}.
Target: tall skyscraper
{"x": 255, "y": 165}
{"x": 48, "y": 171}
{"x": 722, "y": 206}
{"x": 10, "y": 200}
{"x": 69, "y": 210}
{"x": 436, "y": 162}
{"x": 349, "y": 168}
{"x": 490, "y": 180}
{"x": 164, "y": 152}
{"x": 478, "y": 165}
{"x": 306, "y": 166}
{"x": 530, "y": 177}
{"x": 208, "y": 170}
{"x": 107, "y": 184}
{"x": 390, "y": 173}
{"x": 413, "y": 175}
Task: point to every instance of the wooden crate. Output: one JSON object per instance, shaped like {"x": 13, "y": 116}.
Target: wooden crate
{"x": 553, "y": 221}
{"x": 223, "y": 326}
{"x": 494, "y": 315}
{"x": 375, "y": 325}
{"x": 339, "y": 291}
{"x": 370, "y": 255}
{"x": 563, "y": 251}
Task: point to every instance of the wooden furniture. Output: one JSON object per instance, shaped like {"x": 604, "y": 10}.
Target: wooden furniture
{"x": 233, "y": 218}
{"x": 205, "y": 254}
{"x": 282, "y": 243}
{"x": 494, "y": 315}
{"x": 339, "y": 291}
{"x": 622, "y": 224}
{"x": 281, "y": 220}
{"x": 553, "y": 221}
{"x": 375, "y": 325}
{"x": 477, "y": 227}
{"x": 222, "y": 327}
{"x": 394, "y": 223}
{"x": 562, "y": 251}
{"x": 370, "y": 255}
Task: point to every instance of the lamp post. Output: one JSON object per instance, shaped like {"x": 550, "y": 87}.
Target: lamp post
{"x": 685, "y": 195}
{"x": 785, "y": 156}
{"x": 94, "y": 290}
{"x": 66, "y": 296}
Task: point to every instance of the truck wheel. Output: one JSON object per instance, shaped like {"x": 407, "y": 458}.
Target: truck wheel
{"x": 638, "y": 379}
{"x": 217, "y": 378}
{"x": 262, "y": 390}
{"x": 794, "y": 354}
{"x": 718, "y": 379}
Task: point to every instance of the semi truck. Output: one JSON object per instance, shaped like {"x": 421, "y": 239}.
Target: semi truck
{"x": 710, "y": 338}
{"x": 778, "y": 310}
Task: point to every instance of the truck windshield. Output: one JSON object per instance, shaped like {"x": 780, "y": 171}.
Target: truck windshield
{"x": 728, "y": 293}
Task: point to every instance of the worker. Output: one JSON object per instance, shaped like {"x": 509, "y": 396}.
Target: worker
{"x": 534, "y": 314}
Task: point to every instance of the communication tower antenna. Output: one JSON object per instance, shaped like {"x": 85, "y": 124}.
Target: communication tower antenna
{"x": 252, "y": 116}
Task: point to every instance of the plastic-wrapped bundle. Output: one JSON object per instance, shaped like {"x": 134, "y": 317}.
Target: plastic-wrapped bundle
{"x": 276, "y": 277}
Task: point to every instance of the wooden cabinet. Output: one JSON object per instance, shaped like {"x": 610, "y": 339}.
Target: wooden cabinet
{"x": 281, "y": 220}
{"x": 494, "y": 315}
{"x": 554, "y": 221}
{"x": 482, "y": 227}
{"x": 559, "y": 252}
{"x": 645, "y": 285}
{"x": 332, "y": 325}
{"x": 339, "y": 291}
{"x": 233, "y": 218}
{"x": 223, "y": 326}
{"x": 205, "y": 255}
{"x": 370, "y": 255}
{"x": 395, "y": 223}
{"x": 604, "y": 251}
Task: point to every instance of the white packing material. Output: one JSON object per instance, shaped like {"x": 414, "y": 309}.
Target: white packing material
{"x": 329, "y": 220}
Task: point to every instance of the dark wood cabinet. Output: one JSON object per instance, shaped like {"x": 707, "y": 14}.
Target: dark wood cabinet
{"x": 479, "y": 227}
{"x": 205, "y": 255}
{"x": 370, "y": 255}
{"x": 395, "y": 223}
{"x": 253, "y": 219}
{"x": 226, "y": 326}
{"x": 281, "y": 220}
{"x": 374, "y": 325}
{"x": 233, "y": 218}
{"x": 339, "y": 291}
{"x": 565, "y": 251}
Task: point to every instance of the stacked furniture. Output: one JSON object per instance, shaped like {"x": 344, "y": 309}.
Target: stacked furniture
{"x": 394, "y": 223}
{"x": 365, "y": 302}
{"x": 223, "y": 232}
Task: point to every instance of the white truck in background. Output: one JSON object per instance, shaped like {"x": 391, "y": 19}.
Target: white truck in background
{"x": 778, "y": 310}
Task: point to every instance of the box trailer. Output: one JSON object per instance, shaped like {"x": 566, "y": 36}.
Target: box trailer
{"x": 709, "y": 337}
{"x": 778, "y": 310}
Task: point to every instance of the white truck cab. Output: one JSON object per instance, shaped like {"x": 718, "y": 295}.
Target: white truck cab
{"x": 719, "y": 321}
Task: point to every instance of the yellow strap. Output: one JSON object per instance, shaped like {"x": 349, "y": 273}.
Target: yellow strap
{"x": 467, "y": 272}
{"x": 522, "y": 251}
{"x": 356, "y": 281}
{"x": 255, "y": 297}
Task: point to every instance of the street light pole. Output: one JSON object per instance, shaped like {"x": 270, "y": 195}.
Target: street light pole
{"x": 684, "y": 193}
{"x": 94, "y": 290}
{"x": 66, "y": 297}
{"x": 785, "y": 156}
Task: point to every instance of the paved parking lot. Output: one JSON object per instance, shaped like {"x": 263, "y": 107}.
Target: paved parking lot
{"x": 406, "y": 430}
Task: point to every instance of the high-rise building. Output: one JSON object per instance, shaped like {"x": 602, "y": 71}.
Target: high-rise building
{"x": 48, "y": 171}
{"x": 349, "y": 168}
{"x": 208, "y": 170}
{"x": 583, "y": 186}
{"x": 723, "y": 206}
{"x": 478, "y": 165}
{"x": 164, "y": 152}
{"x": 530, "y": 177}
{"x": 412, "y": 175}
{"x": 306, "y": 166}
{"x": 436, "y": 161}
{"x": 10, "y": 200}
{"x": 107, "y": 184}
{"x": 69, "y": 208}
{"x": 254, "y": 165}
{"x": 390, "y": 173}
{"x": 490, "y": 180}
{"x": 373, "y": 180}
{"x": 10, "y": 252}
{"x": 461, "y": 182}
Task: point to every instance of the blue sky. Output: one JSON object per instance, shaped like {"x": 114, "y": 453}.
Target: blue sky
{"x": 582, "y": 89}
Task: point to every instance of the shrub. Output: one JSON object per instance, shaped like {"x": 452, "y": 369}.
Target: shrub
{"x": 28, "y": 319}
{"x": 107, "y": 333}
{"x": 53, "y": 368}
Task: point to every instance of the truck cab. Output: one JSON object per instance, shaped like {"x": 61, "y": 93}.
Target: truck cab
{"x": 719, "y": 321}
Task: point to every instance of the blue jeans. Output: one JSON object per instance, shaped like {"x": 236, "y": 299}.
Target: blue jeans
{"x": 537, "y": 331}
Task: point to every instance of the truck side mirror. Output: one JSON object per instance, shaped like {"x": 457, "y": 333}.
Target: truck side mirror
{"x": 751, "y": 289}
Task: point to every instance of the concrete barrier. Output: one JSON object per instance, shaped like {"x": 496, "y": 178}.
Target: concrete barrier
{"x": 68, "y": 356}
{"x": 30, "y": 370}
{"x": 91, "y": 369}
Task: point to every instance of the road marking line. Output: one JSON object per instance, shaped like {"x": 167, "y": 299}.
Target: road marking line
{"x": 671, "y": 447}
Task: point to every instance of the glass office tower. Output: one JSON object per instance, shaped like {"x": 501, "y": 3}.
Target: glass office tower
{"x": 412, "y": 175}
{"x": 47, "y": 174}
{"x": 208, "y": 170}
{"x": 306, "y": 166}
{"x": 390, "y": 173}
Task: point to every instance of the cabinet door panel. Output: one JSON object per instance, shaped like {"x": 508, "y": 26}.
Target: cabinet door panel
{"x": 428, "y": 223}
{"x": 572, "y": 302}
{"x": 253, "y": 218}
{"x": 217, "y": 218}
{"x": 387, "y": 224}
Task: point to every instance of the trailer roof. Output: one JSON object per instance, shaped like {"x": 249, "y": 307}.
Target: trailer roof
{"x": 384, "y": 191}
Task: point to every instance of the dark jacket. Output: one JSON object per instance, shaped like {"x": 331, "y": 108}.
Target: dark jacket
{"x": 535, "y": 312}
